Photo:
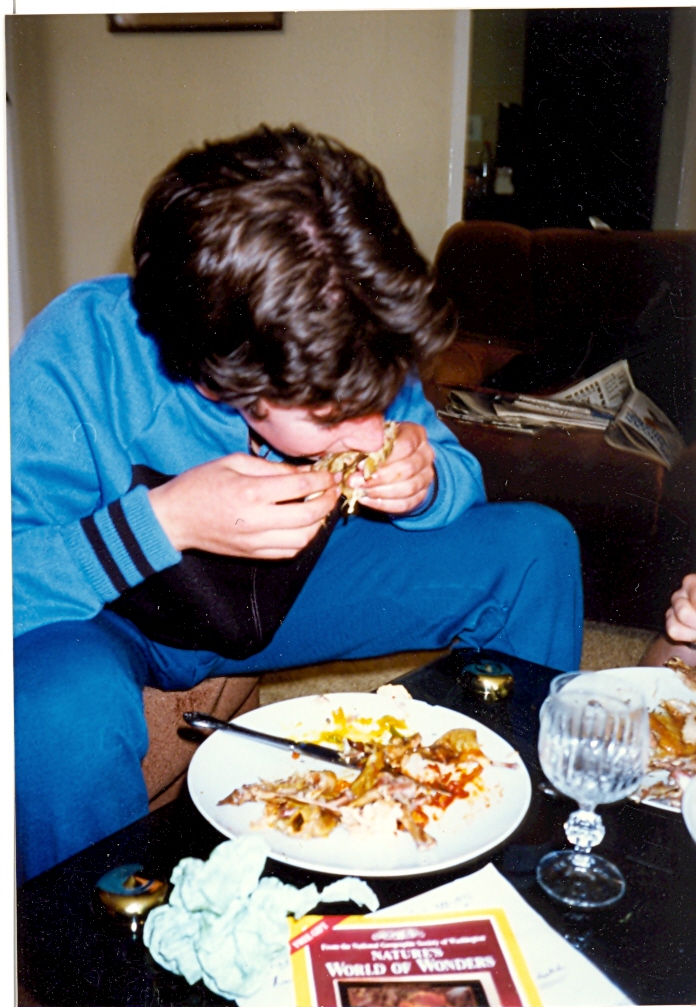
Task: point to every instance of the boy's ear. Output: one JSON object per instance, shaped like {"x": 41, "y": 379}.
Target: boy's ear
{"x": 206, "y": 392}
{"x": 258, "y": 410}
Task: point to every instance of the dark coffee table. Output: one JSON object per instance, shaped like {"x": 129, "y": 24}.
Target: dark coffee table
{"x": 72, "y": 956}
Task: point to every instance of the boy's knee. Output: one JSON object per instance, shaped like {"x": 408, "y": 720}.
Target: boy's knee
{"x": 548, "y": 525}
{"x": 536, "y": 524}
{"x": 73, "y": 681}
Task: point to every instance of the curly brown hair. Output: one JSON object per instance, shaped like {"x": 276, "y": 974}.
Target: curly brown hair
{"x": 275, "y": 265}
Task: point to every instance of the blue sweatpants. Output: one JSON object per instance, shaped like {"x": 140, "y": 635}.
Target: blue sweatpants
{"x": 505, "y": 576}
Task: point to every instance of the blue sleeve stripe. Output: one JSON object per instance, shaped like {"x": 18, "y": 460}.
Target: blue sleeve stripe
{"x": 130, "y": 542}
{"x": 102, "y": 553}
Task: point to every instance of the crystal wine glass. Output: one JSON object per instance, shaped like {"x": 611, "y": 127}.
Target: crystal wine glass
{"x": 593, "y": 747}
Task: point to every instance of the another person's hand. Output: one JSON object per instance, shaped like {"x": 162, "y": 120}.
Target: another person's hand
{"x": 244, "y": 506}
{"x": 680, "y": 620}
{"x": 402, "y": 483}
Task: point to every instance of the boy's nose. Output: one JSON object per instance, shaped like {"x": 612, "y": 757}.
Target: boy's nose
{"x": 363, "y": 434}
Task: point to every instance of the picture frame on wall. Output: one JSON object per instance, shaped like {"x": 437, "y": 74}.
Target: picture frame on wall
{"x": 193, "y": 21}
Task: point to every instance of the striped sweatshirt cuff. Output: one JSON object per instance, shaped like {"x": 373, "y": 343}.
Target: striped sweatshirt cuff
{"x": 121, "y": 544}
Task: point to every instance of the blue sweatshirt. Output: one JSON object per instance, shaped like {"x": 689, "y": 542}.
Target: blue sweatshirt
{"x": 89, "y": 400}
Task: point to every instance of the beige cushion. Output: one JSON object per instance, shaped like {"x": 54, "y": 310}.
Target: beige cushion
{"x": 169, "y": 753}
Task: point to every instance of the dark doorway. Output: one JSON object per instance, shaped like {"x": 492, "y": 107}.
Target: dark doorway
{"x": 586, "y": 139}
{"x": 595, "y": 88}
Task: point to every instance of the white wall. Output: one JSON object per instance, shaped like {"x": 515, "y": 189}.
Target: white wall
{"x": 100, "y": 114}
{"x": 497, "y": 70}
{"x": 675, "y": 196}
{"x": 35, "y": 257}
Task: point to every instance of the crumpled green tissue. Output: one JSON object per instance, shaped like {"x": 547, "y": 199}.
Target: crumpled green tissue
{"x": 225, "y": 926}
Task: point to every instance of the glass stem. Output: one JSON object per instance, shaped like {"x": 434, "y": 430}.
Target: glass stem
{"x": 584, "y": 830}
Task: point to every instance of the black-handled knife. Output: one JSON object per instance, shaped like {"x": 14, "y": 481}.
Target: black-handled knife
{"x": 302, "y": 747}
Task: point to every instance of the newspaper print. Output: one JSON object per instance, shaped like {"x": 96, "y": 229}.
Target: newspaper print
{"x": 606, "y": 389}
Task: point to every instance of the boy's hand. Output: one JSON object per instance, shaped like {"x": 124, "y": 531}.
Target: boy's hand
{"x": 680, "y": 620}
{"x": 236, "y": 506}
{"x": 402, "y": 483}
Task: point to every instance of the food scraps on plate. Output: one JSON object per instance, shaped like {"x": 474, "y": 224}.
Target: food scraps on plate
{"x": 672, "y": 744}
{"x": 399, "y": 784}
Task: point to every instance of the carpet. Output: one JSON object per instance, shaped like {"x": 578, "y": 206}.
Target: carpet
{"x": 604, "y": 646}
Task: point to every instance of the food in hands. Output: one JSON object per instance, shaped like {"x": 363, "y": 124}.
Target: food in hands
{"x": 349, "y": 462}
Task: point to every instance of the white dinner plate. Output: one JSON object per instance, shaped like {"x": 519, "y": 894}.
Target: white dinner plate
{"x": 656, "y": 684}
{"x": 467, "y": 829}
{"x": 689, "y": 808}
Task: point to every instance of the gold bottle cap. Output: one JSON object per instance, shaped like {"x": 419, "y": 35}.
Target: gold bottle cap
{"x": 489, "y": 680}
{"x": 127, "y": 894}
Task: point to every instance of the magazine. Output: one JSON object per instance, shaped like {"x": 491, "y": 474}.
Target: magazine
{"x": 608, "y": 401}
{"x": 463, "y": 959}
{"x": 562, "y": 976}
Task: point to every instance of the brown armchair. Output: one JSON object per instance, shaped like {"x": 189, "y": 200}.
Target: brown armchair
{"x": 171, "y": 746}
{"x": 520, "y": 291}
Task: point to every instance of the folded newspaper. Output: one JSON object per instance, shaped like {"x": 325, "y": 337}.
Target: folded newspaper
{"x": 607, "y": 401}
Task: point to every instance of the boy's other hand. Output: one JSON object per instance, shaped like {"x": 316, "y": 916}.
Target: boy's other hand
{"x": 402, "y": 483}
{"x": 680, "y": 620}
{"x": 244, "y": 506}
